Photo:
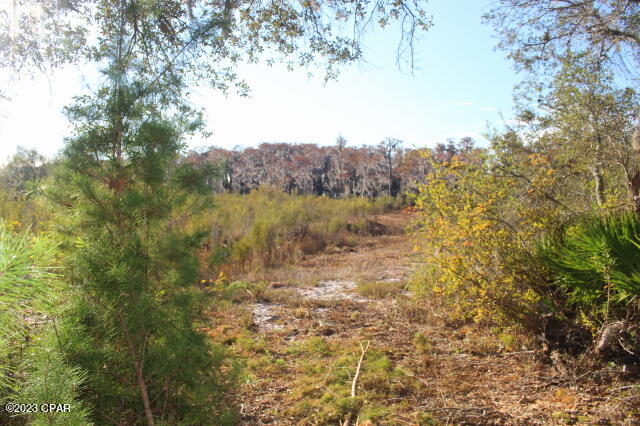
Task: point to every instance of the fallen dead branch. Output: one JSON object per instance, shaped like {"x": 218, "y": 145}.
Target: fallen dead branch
{"x": 517, "y": 353}
{"x": 364, "y": 350}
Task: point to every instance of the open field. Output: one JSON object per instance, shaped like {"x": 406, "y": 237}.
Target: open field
{"x": 302, "y": 330}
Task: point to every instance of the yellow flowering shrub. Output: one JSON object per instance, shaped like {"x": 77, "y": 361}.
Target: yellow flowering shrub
{"x": 477, "y": 225}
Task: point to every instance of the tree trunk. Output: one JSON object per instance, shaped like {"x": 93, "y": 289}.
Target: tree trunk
{"x": 599, "y": 185}
{"x": 145, "y": 395}
{"x": 340, "y": 192}
{"x": 596, "y": 170}
{"x": 634, "y": 184}
{"x": 139, "y": 373}
{"x": 390, "y": 173}
{"x": 634, "y": 192}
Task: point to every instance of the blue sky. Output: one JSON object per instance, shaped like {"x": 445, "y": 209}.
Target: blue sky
{"x": 461, "y": 84}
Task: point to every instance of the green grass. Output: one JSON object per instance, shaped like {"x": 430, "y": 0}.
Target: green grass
{"x": 324, "y": 371}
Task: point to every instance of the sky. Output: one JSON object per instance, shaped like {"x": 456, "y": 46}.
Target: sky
{"x": 461, "y": 83}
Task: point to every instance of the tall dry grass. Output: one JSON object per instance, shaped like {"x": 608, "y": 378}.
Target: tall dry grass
{"x": 268, "y": 227}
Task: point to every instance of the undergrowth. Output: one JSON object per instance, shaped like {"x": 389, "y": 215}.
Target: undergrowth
{"x": 268, "y": 227}
{"x": 325, "y": 371}
{"x": 594, "y": 262}
{"x": 380, "y": 289}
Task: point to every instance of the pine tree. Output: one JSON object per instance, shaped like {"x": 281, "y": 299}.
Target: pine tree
{"x": 123, "y": 193}
{"x": 124, "y": 197}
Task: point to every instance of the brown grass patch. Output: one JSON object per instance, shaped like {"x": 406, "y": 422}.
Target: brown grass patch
{"x": 423, "y": 369}
{"x": 380, "y": 289}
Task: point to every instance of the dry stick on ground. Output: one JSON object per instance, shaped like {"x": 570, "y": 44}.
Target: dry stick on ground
{"x": 364, "y": 349}
{"x": 625, "y": 388}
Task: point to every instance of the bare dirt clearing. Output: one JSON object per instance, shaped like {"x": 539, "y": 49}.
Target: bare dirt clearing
{"x": 302, "y": 336}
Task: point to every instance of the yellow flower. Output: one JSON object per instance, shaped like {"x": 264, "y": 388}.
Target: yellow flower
{"x": 222, "y": 279}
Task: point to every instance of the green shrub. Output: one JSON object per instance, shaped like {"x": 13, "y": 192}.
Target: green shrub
{"x": 50, "y": 380}
{"x": 595, "y": 263}
{"x": 32, "y": 367}
{"x": 21, "y": 210}
{"x": 27, "y": 285}
{"x": 476, "y": 232}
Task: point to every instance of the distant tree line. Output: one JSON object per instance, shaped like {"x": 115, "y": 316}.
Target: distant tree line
{"x": 335, "y": 171}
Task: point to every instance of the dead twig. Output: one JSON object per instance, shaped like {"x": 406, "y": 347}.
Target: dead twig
{"x": 354, "y": 383}
{"x": 623, "y": 388}
{"x": 355, "y": 378}
{"x": 517, "y": 353}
